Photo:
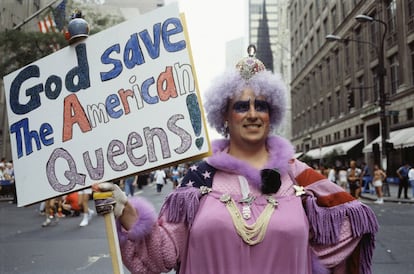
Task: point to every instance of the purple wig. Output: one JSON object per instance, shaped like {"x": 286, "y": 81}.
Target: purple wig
{"x": 231, "y": 84}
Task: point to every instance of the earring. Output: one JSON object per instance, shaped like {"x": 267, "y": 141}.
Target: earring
{"x": 225, "y": 130}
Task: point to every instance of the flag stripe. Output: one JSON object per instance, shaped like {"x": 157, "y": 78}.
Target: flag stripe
{"x": 47, "y": 24}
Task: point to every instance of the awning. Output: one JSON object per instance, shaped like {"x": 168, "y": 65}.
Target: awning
{"x": 341, "y": 149}
{"x": 298, "y": 154}
{"x": 400, "y": 138}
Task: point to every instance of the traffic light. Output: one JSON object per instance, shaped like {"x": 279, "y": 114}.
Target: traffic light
{"x": 350, "y": 99}
{"x": 389, "y": 146}
{"x": 376, "y": 152}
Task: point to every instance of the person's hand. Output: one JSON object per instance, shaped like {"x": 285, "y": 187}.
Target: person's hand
{"x": 109, "y": 197}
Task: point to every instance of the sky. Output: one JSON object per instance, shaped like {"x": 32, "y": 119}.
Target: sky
{"x": 211, "y": 24}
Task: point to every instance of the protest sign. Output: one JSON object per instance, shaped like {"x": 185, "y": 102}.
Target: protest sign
{"x": 122, "y": 101}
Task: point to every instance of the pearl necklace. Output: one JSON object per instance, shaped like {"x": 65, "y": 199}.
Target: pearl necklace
{"x": 254, "y": 233}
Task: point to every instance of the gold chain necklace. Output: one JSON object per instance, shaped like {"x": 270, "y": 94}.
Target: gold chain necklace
{"x": 254, "y": 233}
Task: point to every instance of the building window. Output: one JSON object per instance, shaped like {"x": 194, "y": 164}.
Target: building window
{"x": 322, "y": 113}
{"x": 410, "y": 9}
{"x": 329, "y": 102}
{"x": 337, "y": 64}
{"x": 328, "y": 71}
{"x": 374, "y": 36}
{"x": 338, "y": 104}
{"x": 313, "y": 86}
{"x": 311, "y": 15}
{"x": 395, "y": 119}
{"x": 412, "y": 61}
{"x": 311, "y": 46}
{"x": 392, "y": 22}
{"x": 391, "y": 16}
{"x": 337, "y": 136}
{"x": 320, "y": 141}
{"x": 394, "y": 74}
{"x": 318, "y": 38}
{"x": 325, "y": 27}
{"x": 344, "y": 9}
{"x": 348, "y": 58}
{"x": 375, "y": 84}
{"x": 321, "y": 77}
{"x": 333, "y": 16}
{"x": 317, "y": 7}
{"x": 409, "y": 114}
{"x": 362, "y": 91}
{"x": 359, "y": 48}
{"x": 305, "y": 23}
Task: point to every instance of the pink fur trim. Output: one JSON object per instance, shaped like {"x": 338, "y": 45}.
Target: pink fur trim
{"x": 280, "y": 153}
{"x": 147, "y": 218}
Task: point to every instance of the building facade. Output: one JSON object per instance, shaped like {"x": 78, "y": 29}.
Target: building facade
{"x": 269, "y": 31}
{"x": 335, "y": 87}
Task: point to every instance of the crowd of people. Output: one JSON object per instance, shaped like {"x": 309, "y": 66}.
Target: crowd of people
{"x": 361, "y": 178}
{"x": 7, "y": 180}
{"x": 76, "y": 204}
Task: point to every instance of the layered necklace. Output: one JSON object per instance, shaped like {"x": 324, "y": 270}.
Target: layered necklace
{"x": 254, "y": 233}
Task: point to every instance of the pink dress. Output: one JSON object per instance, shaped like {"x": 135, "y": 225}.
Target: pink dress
{"x": 285, "y": 248}
{"x": 195, "y": 232}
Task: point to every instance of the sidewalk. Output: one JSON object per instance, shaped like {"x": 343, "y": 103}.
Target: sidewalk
{"x": 393, "y": 195}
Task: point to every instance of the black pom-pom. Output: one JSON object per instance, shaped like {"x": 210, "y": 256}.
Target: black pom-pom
{"x": 270, "y": 181}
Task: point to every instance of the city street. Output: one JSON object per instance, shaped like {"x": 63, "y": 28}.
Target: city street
{"x": 26, "y": 247}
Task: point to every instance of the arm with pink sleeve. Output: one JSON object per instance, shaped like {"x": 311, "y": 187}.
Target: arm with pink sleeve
{"x": 152, "y": 245}
{"x": 342, "y": 228}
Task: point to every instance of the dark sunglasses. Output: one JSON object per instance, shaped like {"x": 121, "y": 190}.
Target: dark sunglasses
{"x": 244, "y": 106}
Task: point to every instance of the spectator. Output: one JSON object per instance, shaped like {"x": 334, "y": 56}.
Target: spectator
{"x": 379, "y": 177}
{"x": 175, "y": 176}
{"x": 366, "y": 177}
{"x": 71, "y": 205}
{"x": 411, "y": 180}
{"x": 84, "y": 196}
{"x": 354, "y": 179}
{"x": 50, "y": 212}
{"x": 2, "y": 168}
{"x": 142, "y": 180}
{"x": 129, "y": 184}
{"x": 332, "y": 174}
{"x": 160, "y": 179}
{"x": 402, "y": 173}
{"x": 343, "y": 177}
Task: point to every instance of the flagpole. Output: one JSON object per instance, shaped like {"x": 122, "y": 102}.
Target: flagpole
{"x": 34, "y": 15}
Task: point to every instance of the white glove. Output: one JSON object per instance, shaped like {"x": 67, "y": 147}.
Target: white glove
{"x": 105, "y": 202}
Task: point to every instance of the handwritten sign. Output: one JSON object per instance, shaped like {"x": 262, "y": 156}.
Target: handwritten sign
{"x": 119, "y": 102}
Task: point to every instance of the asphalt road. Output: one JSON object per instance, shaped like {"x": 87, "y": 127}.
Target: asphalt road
{"x": 28, "y": 248}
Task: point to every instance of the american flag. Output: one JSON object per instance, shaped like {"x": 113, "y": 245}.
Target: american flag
{"x": 60, "y": 15}
{"x": 56, "y": 22}
{"x": 47, "y": 24}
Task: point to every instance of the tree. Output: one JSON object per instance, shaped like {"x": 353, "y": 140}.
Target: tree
{"x": 21, "y": 48}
